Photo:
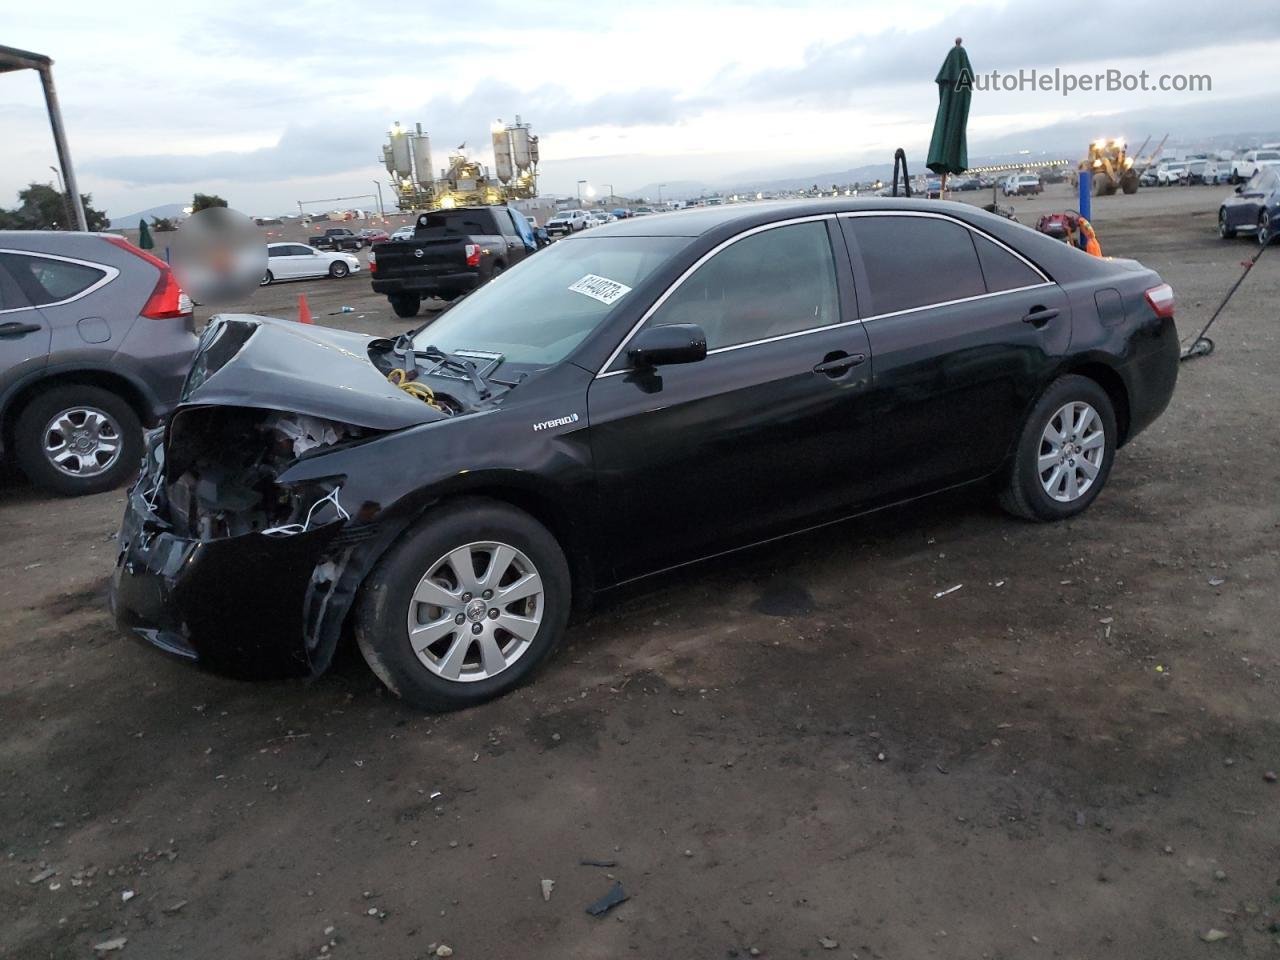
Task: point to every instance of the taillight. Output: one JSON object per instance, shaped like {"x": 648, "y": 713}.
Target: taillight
{"x": 373, "y": 262}
{"x": 1161, "y": 300}
{"x": 473, "y": 254}
{"x": 167, "y": 301}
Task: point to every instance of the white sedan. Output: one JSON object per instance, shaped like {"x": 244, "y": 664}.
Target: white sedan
{"x": 293, "y": 261}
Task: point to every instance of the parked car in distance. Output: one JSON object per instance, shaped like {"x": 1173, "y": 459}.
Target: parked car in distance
{"x": 621, "y": 213}
{"x": 588, "y": 421}
{"x": 1203, "y": 172}
{"x": 450, "y": 253}
{"x": 1022, "y": 184}
{"x": 402, "y": 233}
{"x": 1254, "y": 207}
{"x": 95, "y": 340}
{"x": 1172, "y": 173}
{"x": 601, "y": 217}
{"x": 296, "y": 261}
{"x": 372, "y": 235}
{"x": 1245, "y": 166}
{"x": 1148, "y": 177}
{"x": 337, "y": 238}
{"x": 567, "y": 221}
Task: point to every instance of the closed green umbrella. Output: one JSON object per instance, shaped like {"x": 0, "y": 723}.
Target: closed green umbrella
{"x": 948, "y": 150}
{"x": 144, "y": 236}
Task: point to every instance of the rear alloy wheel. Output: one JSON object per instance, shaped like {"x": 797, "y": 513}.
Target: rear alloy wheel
{"x": 465, "y": 606}
{"x": 1065, "y": 452}
{"x": 405, "y": 304}
{"x": 1264, "y": 228}
{"x": 1225, "y": 232}
{"x": 338, "y": 269}
{"x": 77, "y": 440}
{"x": 266, "y": 279}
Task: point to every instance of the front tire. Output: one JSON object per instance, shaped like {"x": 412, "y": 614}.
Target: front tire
{"x": 465, "y": 607}
{"x": 76, "y": 440}
{"x": 1064, "y": 453}
{"x": 338, "y": 269}
{"x": 405, "y": 305}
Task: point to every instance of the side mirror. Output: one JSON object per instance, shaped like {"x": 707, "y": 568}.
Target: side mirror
{"x": 668, "y": 343}
{"x": 1240, "y": 189}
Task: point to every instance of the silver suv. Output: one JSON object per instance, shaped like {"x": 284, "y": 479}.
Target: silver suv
{"x": 95, "y": 341}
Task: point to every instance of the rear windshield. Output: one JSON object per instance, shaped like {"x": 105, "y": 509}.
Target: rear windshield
{"x": 459, "y": 221}
{"x": 540, "y": 309}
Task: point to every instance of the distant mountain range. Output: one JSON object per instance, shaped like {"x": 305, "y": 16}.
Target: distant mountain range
{"x": 171, "y": 210}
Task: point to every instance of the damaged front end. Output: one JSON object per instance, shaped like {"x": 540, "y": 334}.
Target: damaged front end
{"x": 225, "y": 560}
{"x": 221, "y": 563}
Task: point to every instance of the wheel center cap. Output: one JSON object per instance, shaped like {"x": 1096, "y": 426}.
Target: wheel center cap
{"x": 475, "y": 610}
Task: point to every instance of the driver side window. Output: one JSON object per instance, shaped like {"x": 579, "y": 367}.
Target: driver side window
{"x": 772, "y": 283}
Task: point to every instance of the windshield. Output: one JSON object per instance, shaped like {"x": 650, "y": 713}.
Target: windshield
{"x": 538, "y": 311}
{"x": 1268, "y": 155}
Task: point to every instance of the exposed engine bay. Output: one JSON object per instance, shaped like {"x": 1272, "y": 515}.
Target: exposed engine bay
{"x": 217, "y": 476}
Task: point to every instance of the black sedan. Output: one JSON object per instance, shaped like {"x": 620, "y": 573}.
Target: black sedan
{"x": 651, "y": 393}
{"x": 1253, "y": 208}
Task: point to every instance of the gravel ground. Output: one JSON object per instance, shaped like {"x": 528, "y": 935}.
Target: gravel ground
{"x": 797, "y": 750}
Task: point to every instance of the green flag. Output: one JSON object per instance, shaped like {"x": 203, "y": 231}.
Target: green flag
{"x": 144, "y": 236}
{"x": 948, "y": 150}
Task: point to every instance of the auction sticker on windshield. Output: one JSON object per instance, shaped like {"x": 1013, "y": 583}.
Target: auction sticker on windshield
{"x": 600, "y": 288}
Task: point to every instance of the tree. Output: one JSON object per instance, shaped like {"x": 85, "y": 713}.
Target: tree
{"x": 42, "y": 207}
{"x": 162, "y": 225}
{"x": 203, "y": 201}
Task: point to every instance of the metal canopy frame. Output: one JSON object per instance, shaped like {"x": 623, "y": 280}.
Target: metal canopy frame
{"x": 12, "y": 59}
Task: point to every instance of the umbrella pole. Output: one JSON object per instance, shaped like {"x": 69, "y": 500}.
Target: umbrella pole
{"x": 942, "y": 191}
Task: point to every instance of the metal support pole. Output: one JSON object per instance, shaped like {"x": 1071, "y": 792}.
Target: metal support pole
{"x": 60, "y": 142}
{"x": 382, "y": 214}
{"x": 1086, "y": 194}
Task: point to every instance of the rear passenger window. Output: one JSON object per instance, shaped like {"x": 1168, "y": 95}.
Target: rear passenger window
{"x": 45, "y": 281}
{"x": 914, "y": 262}
{"x": 771, "y": 283}
{"x": 1001, "y": 269}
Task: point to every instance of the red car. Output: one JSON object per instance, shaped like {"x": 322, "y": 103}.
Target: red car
{"x": 372, "y": 236}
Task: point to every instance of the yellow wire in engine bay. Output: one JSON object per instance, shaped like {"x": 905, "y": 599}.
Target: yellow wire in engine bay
{"x": 421, "y": 391}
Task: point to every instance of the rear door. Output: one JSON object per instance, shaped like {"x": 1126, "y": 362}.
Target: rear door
{"x": 766, "y": 434}
{"x": 964, "y": 332}
{"x": 24, "y": 332}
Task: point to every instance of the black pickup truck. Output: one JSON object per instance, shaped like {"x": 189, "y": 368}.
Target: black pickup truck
{"x": 451, "y": 253}
{"x": 337, "y": 238}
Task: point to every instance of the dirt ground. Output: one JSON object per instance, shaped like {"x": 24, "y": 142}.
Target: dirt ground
{"x": 799, "y": 751}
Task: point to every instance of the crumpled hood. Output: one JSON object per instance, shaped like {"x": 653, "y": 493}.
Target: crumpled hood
{"x": 251, "y": 361}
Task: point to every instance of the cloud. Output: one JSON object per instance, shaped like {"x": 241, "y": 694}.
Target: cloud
{"x": 1027, "y": 33}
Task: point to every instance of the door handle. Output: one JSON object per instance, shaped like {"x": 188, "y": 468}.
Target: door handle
{"x": 838, "y": 365}
{"x": 15, "y": 329}
{"x": 1039, "y": 316}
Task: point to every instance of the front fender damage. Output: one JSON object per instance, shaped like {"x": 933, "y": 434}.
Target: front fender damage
{"x": 222, "y": 563}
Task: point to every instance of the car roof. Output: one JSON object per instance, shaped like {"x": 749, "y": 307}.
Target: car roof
{"x": 700, "y": 220}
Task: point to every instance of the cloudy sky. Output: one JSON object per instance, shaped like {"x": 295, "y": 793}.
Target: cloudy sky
{"x": 270, "y": 103}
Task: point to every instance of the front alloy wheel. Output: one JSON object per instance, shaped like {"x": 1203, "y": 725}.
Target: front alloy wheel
{"x": 465, "y": 606}
{"x": 476, "y": 611}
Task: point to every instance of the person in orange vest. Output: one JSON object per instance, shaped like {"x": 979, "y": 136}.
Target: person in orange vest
{"x": 1087, "y": 240}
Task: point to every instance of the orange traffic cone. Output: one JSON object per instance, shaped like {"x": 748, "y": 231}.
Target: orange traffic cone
{"x": 304, "y": 311}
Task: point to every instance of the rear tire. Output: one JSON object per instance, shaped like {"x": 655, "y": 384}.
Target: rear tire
{"x": 92, "y": 416}
{"x": 419, "y": 570}
{"x": 266, "y": 279}
{"x": 405, "y": 304}
{"x": 1264, "y": 228}
{"x": 1076, "y": 465}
